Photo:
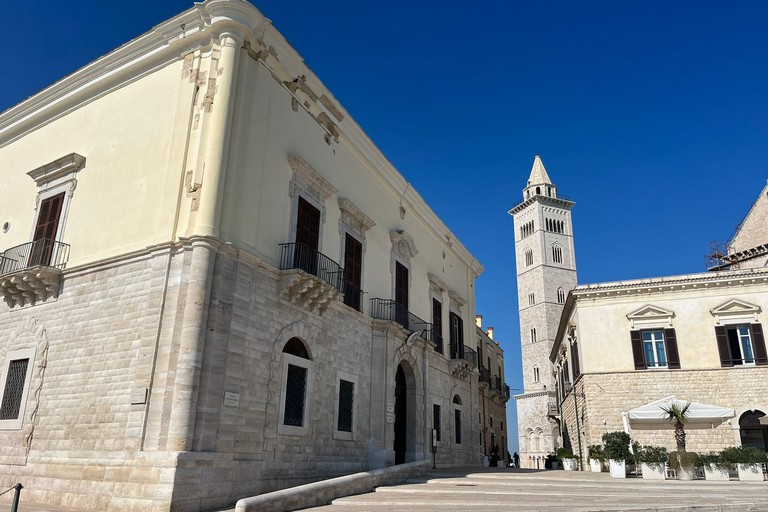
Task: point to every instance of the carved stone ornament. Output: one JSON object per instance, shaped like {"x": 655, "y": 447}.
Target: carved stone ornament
{"x": 456, "y": 300}
{"x": 30, "y": 286}
{"x": 461, "y": 369}
{"x": 304, "y": 172}
{"x": 437, "y": 284}
{"x": 307, "y": 291}
{"x": 403, "y": 244}
{"x": 353, "y": 217}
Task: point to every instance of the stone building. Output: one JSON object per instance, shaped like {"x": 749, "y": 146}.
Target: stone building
{"x": 215, "y": 285}
{"x": 700, "y": 337}
{"x": 494, "y": 392}
{"x": 546, "y": 272}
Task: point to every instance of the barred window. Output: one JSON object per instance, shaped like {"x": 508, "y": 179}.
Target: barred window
{"x": 346, "y": 402}
{"x": 14, "y": 389}
{"x": 295, "y": 389}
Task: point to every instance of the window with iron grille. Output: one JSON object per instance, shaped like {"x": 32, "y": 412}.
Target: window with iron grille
{"x": 295, "y": 395}
{"x": 346, "y": 403}
{"x": 14, "y": 389}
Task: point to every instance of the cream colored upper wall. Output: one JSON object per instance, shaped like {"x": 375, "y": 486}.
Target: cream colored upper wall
{"x": 257, "y": 213}
{"x": 126, "y": 193}
{"x": 603, "y": 329}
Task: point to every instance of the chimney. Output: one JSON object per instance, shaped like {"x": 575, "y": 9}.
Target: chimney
{"x": 479, "y": 321}
{"x": 490, "y": 332}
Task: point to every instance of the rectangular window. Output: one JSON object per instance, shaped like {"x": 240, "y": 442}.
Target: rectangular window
{"x": 741, "y": 344}
{"x": 14, "y": 389}
{"x": 295, "y": 396}
{"x": 654, "y": 348}
{"x": 307, "y": 237}
{"x": 491, "y": 420}
{"x": 528, "y": 258}
{"x": 436, "y": 421}
{"x": 45, "y": 230}
{"x": 533, "y": 335}
{"x": 457, "y": 422}
{"x": 353, "y": 267}
{"x": 346, "y": 405}
{"x": 401, "y": 294}
{"x": 457, "y": 336}
{"x": 531, "y": 299}
{"x": 437, "y": 325}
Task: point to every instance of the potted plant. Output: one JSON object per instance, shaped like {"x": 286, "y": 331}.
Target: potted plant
{"x": 616, "y": 449}
{"x": 748, "y": 461}
{"x": 678, "y": 460}
{"x": 596, "y": 457}
{"x": 567, "y": 458}
{"x": 551, "y": 461}
{"x": 714, "y": 466}
{"x": 653, "y": 460}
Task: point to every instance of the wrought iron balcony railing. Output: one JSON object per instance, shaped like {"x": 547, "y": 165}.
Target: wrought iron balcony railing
{"x": 387, "y": 309}
{"x": 497, "y": 383}
{"x": 40, "y": 253}
{"x": 353, "y": 296}
{"x": 469, "y": 354}
{"x": 438, "y": 341}
{"x": 303, "y": 257}
{"x": 506, "y": 392}
{"x": 485, "y": 375}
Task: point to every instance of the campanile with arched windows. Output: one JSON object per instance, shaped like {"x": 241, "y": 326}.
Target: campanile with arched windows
{"x": 546, "y": 269}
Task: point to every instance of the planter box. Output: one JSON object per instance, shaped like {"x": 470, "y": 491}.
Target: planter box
{"x": 750, "y": 472}
{"x": 570, "y": 464}
{"x": 595, "y": 465}
{"x": 654, "y": 471}
{"x": 618, "y": 468}
{"x": 713, "y": 472}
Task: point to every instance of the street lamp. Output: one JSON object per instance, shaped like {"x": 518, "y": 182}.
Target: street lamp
{"x": 571, "y": 388}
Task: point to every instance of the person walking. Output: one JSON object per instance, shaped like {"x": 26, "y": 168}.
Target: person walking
{"x": 516, "y": 458}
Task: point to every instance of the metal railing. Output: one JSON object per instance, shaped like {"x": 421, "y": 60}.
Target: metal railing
{"x": 387, "y": 309}
{"x": 40, "y": 253}
{"x": 303, "y": 257}
{"x": 485, "y": 375}
{"x": 438, "y": 341}
{"x": 506, "y": 392}
{"x": 469, "y": 354}
{"x": 353, "y": 296}
{"x": 497, "y": 383}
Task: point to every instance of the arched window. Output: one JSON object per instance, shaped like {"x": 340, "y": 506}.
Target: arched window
{"x": 528, "y": 258}
{"x": 533, "y": 335}
{"x": 752, "y": 432}
{"x": 297, "y": 371}
{"x": 560, "y": 296}
{"x": 457, "y": 418}
{"x": 535, "y": 374}
{"x": 531, "y": 299}
{"x": 538, "y": 191}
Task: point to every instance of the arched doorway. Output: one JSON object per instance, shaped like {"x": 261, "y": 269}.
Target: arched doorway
{"x": 401, "y": 415}
{"x": 753, "y": 433}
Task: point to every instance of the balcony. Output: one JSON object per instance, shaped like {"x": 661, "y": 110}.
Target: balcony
{"x": 309, "y": 278}
{"x": 485, "y": 377}
{"x": 505, "y": 393}
{"x": 438, "y": 341}
{"x": 31, "y": 272}
{"x": 387, "y": 309}
{"x": 463, "y": 360}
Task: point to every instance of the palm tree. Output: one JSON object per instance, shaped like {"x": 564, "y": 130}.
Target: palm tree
{"x": 679, "y": 417}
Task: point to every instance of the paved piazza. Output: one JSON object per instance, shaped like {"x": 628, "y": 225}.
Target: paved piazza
{"x": 470, "y": 489}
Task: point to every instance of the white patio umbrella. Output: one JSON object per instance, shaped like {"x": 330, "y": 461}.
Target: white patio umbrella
{"x": 652, "y": 417}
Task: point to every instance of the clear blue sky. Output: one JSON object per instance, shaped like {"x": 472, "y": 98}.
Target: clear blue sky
{"x": 652, "y": 116}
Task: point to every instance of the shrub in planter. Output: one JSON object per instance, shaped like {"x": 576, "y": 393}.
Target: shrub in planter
{"x": 747, "y": 460}
{"x": 683, "y": 463}
{"x": 653, "y": 459}
{"x": 616, "y": 450}
{"x": 550, "y": 462}
{"x": 714, "y": 466}
{"x": 596, "y": 457}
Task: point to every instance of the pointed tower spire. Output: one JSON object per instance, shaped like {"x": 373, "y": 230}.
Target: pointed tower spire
{"x": 539, "y": 174}
{"x": 539, "y": 183}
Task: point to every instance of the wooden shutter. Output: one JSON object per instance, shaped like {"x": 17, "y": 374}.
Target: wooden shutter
{"x": 758, "y": 344}
{"x": 353, "y": 264}
{"x": 673, "y": 357}
{"x": 722, "y": 346}
{"x": 45, "y": 230}
{"x": 308, "y": 225}
{"x": 575, "y": 357}
{"x": 637, "y": 350}
{"x": 437, "y": 325}
{"x": 401, "y": 285}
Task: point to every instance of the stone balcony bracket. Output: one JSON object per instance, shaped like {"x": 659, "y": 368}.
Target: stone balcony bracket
{"x": 306, "y": 291}
{"x": 461, "y": 369}
{"x": 30, "y": 286}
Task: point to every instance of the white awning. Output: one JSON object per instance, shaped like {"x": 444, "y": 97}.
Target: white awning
{"x": 652, "y": 416}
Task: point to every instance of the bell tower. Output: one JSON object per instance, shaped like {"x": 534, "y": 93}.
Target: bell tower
{"x": 546, "y": 272}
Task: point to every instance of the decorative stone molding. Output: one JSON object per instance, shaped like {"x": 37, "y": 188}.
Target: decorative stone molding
{"x": 457, "y": 301}
{"x": 437, "y": 284}
{"x": 353, "y": 217}
{"x": 30, "y": 286}
{"x": 61, "y": 168}
{"x": 403, "y": 244}
{"x": 735, "y": 310}
{"x": 650, "y": 315}
{"x": 322, "y": 188}
{"x": 307, "y": 291}
{"x": 461, "y": 369}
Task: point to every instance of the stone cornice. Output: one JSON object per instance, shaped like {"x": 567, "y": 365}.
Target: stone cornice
{"x": 311, "y": 177}
{"x": 353, "y": 213}
{"x": 558, "y": 202}
{"x": 58, "y": 168}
